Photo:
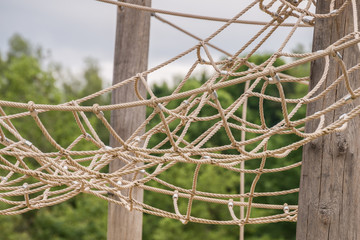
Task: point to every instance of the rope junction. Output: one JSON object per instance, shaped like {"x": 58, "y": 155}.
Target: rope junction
{"x": 32, "y": 178}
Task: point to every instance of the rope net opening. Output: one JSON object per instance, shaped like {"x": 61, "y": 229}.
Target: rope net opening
{"x": 38, "y": 171}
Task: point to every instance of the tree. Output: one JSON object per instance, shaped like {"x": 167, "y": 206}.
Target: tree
{"x": 24, "y": 76}
{"x": 211, "y": 179}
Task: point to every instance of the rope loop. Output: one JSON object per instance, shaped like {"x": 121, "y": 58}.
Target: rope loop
{"x": 136, "y": 86}
{"x": 177, "y": 134}
{"x": 198, "y": 54}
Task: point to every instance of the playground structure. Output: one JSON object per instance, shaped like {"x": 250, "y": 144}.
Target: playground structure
{"x": 63, "y": 173}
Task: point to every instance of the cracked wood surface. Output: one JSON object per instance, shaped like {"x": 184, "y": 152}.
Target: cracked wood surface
{"x": 329, "y": 187}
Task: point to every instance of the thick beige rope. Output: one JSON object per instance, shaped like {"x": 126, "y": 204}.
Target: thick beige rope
{"x": 32, "y": 178}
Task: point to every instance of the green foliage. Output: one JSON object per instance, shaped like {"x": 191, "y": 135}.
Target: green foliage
{"x": 211, "y": 179}
{"x": 24, "y": 76}
{"x": 81, "y": 218}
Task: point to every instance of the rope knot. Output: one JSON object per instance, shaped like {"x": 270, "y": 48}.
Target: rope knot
{"x": 101, "y": 176}
{"x": 156, "y": 104}
{"x": 95, "y": 109}
{"x": 279, "y": 18}
{"x": 213, "y": 94}
{"x": 274, "y": 76}
{"x": 154, "y": 101}
{"x": 139, "y": 75}
{"x": 31, "y": 108}
{"x": 272, "y": 71}
{"x": 334, "y": 53}
{"x": 209, "y": 89}
{"x": 64, "y": 152}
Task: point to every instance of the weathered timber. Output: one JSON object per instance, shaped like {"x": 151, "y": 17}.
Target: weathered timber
{"x": 131, "y": 57}
{"x": 329, "y": 187}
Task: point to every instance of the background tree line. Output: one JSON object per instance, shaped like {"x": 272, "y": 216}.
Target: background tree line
{"x": 26, "y": 74}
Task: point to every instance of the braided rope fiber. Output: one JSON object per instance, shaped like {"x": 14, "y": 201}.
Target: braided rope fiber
{"x": 32, "y": 177}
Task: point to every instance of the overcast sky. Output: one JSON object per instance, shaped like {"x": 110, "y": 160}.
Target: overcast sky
{"x": 74, "y": 30}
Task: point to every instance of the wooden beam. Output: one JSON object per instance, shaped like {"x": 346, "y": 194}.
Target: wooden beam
{"x": 329, "y": 187}
{"x": 131, "y": 57}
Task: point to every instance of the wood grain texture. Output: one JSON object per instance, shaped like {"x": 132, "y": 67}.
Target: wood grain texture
{"x": 131, "y": 57}
{"x": 329, "y": 187}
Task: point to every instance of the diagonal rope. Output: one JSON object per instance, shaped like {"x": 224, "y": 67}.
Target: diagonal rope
{"x": 33, "y": 177}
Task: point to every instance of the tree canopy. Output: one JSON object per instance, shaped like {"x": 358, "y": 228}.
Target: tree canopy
{"x": 26, "y": 74}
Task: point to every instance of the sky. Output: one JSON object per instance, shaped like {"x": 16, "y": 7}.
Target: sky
{"x": 73, "y": 30}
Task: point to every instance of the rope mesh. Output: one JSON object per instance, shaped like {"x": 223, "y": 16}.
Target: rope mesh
{"x": 33, "y": 178}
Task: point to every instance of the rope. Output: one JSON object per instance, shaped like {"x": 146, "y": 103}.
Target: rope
{"x": 194, "y": 16}
{"x": 32, "y": 178}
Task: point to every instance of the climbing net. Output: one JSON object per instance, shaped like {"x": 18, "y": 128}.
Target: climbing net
{"x": 32, "y": 178}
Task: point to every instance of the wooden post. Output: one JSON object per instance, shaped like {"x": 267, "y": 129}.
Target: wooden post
{"x": 131, "y": 57}
{"x": 329, "y": 188}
